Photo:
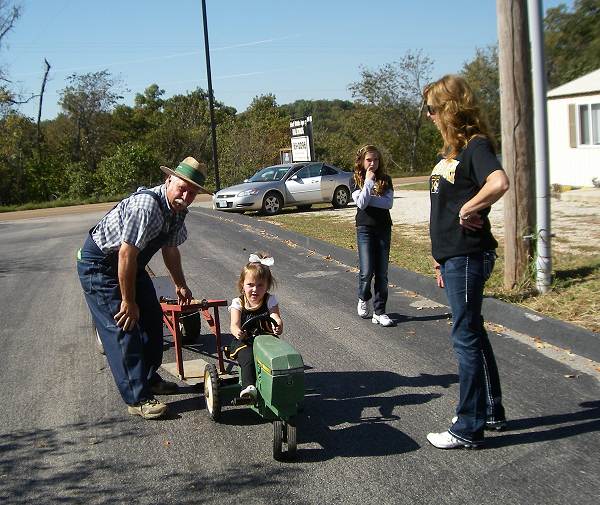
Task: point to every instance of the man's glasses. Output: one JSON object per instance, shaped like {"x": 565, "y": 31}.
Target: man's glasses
{"x": 430, "y": 110}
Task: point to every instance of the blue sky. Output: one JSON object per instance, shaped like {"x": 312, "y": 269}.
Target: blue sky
{"x": 303, "y": 49}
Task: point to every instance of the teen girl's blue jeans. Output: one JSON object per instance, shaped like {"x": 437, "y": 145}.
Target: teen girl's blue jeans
{"x": 480, "y": 396}
{"x": 373, "y": 258}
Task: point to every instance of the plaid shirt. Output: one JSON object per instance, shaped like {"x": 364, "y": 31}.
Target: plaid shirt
{"x": 137, "y": 220}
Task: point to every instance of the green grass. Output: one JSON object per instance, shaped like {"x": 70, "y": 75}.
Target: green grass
{"x": 61, "y": 203}
{"x": 575, "y": 295}
{"x": 415, "y": 186}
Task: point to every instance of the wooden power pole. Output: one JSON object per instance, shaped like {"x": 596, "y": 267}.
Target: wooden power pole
{"x": 518, "y": 160}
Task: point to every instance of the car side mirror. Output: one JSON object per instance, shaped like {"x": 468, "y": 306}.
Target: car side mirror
{"x": 295, "y": 177}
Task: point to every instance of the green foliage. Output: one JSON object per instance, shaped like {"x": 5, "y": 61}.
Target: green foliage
{"x": 394, "y": 93}
{"x": 252, "y": 139}
{"x": 572, "y": 40}
{"x": 483, "y": 76}
{"x": 132, "y": 165}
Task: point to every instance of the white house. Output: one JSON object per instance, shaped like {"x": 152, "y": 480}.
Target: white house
{"x": 574, "y": 131}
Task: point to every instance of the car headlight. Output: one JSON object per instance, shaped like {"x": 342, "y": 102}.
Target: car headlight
{"x": 249, "y": 192}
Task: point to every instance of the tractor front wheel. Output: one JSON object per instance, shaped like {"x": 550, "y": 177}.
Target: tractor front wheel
{"x": 277, "y": 439}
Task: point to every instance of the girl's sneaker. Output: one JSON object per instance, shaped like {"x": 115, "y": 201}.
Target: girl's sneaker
{"x": 363, "y": 309}
{"x": 382, "y": 319}
{"x": 248, "y": 392}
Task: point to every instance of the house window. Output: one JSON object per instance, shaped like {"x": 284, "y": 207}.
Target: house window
{"x": 589, "y": 124}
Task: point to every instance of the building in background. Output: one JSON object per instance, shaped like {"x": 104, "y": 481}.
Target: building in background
{"x": 574, "y": 132}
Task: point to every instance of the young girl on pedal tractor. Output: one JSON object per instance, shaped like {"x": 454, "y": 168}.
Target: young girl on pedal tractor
{"x": 253, "y": 285}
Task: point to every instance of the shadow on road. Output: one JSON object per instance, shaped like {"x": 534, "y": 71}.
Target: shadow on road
{"x": 568, "y": 428}
{"x": 349, "y": 414}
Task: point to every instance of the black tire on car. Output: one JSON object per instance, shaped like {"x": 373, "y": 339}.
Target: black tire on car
{"x": 272, "y": 203}
{"x": 341, "y": 197}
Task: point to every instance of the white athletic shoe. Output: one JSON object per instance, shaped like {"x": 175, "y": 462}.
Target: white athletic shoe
{"x": 363, "y": 309}
{"x": 446, "y": 440}
{"x": 382, "y": 319}
{"x": 248, "y": 392}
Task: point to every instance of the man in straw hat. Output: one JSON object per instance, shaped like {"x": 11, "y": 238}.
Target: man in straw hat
{"x": 119, "y": 292}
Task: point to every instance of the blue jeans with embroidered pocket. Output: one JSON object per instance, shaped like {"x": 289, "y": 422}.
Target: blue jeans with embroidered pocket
{"x": 480, "y": 395}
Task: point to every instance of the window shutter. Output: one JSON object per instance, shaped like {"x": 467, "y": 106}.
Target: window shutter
{"x": 572, "y": 126}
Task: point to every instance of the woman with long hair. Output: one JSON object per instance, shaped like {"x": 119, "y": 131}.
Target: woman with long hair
{"x": 465, "y": 182}
{"x": 373, "y": 194}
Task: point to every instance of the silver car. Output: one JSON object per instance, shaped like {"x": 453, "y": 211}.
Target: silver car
{"x": 297, "y": 184}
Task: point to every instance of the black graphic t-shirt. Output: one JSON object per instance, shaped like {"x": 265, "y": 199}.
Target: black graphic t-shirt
{"x": 452, "y": 183}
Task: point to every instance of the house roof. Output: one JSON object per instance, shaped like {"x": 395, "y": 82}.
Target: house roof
{"x": 585, "y": 85}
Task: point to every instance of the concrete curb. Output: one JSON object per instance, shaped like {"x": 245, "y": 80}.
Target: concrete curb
{"x": 578, "y": 340}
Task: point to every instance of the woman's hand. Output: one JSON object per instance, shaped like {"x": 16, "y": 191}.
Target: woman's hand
{"x": 369, "y": 175}
{"x": 439, "y": 280}
{"x": 471, "y": 221}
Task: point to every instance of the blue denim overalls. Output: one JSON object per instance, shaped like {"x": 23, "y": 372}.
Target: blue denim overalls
{"x": 134, "y": 356}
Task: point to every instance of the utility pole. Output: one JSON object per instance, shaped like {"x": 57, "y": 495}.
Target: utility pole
{"x": 518, "y": 160}
{"x": 213, "y": 128}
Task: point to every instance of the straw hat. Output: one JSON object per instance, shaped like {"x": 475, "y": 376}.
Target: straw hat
{"x": 190, "y": 171}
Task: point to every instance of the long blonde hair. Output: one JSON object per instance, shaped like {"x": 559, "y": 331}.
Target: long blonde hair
{"x": 381, "y": 176}
{"x": 457, "y": 112}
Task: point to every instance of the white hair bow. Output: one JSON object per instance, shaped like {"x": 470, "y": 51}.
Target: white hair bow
{"x": 255, "y": 258}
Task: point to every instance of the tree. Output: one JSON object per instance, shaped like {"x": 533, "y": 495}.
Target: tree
{"x": 395, "y": 89}
{"x": 87, "y": 102}
{"x": 572, "y": 41}
{"x": 132, "y": 165}
{"x": 252, "y": 139}
{"x": 8, "y": 17}
{"x": 183, "y": 127}
{"x": 482, "y": 74}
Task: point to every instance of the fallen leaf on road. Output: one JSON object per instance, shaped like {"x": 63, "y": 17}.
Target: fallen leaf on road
{"x": 337, "y": 328}
{"x": 569, "y": 376}
{"x": 167, "y": 443}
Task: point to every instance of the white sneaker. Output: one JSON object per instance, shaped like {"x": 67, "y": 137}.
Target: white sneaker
{"x": 363, "y": 309}
{"x": 446, "y": 440}
{"x": 382, "y": 319}
{"x": 248, "y": 392}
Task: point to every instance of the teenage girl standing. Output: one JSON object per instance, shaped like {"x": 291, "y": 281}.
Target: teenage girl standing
{"x": 373, "y": 194}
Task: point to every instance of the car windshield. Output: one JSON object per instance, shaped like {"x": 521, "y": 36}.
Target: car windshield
{"x": 269, "y": 174}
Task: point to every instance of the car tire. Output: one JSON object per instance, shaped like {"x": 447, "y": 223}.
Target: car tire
{"x": 272, "y": 203}
{"x": 341, "y": 197}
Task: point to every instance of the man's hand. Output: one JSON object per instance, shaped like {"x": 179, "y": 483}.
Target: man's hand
{"x": 128, "y": 316}
{"x": 184, "y": 295}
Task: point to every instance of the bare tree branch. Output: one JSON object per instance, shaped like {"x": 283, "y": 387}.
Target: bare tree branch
{"x": 39, "y": 118}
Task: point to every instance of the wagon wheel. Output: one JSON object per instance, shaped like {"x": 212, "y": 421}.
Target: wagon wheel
{"x": 211, "y": 392}
{"x": 290, "y": 429}
{"x": 277, "y": 439}
{"x": 189, "y": 325}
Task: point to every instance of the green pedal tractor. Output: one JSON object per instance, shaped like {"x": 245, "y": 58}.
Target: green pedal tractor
{"x": 279, "y": 384}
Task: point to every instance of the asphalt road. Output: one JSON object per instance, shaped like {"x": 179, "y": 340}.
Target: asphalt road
{"x": 374, "y": 394}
